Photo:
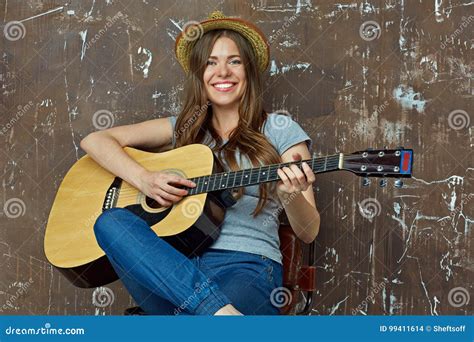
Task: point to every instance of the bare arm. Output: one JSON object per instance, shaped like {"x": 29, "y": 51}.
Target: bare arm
{"x": 299, "y": 203}
{"x": 106, "y": 148}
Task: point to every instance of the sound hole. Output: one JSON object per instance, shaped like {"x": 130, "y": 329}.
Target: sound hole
{"x": 152, "y": 203}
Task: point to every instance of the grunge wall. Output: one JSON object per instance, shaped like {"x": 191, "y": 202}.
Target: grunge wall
{"x": 354, "y": 74}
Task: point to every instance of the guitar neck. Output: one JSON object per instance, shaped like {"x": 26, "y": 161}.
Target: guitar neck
{"x": 257, "y": 175}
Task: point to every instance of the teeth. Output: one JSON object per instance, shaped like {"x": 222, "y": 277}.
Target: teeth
{"x": 223, "y": 86}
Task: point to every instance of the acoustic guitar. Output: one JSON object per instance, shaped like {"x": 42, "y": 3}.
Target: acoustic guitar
{"x": 192, "y": 224}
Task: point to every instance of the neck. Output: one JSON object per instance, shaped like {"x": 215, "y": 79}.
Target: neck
{"x": 225, "y": 119}
{"x": 257, "y": 175}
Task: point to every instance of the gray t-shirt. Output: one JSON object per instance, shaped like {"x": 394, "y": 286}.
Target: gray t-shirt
{"x": 240, "y": 231}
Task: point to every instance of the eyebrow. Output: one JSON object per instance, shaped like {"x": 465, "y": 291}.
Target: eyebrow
{"x": 231, "y": 56}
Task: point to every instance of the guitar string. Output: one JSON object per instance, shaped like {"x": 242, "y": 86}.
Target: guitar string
{"x": 254, "y": 178}
{"x": 331, "y": 161}
{"x": 212, "y": 177}
{"x": 270, "y": 169}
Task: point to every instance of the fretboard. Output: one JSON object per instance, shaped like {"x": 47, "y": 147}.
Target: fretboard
{"x": 257, "y": 175}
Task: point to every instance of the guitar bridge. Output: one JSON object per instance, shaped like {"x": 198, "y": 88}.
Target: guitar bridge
{"x": 112, "y": 194}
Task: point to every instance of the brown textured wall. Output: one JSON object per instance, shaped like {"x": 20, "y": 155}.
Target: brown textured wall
{"x": 354, "y": 74}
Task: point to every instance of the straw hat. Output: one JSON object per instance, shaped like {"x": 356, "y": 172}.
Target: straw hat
{"x": 194, "y": 30}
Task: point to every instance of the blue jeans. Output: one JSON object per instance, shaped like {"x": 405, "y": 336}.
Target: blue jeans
{"x": 163, "y": 281}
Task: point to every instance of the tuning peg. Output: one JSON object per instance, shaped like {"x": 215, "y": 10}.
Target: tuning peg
{"x": 383, "y": 183}
{"x": 398, "y": 183}
{"x": 365, "y": 181}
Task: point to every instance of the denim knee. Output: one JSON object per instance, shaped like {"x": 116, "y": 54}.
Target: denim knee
{"x": 111, "y": 223}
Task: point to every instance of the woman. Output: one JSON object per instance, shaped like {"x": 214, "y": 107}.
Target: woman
{"x": 239, "y": 273}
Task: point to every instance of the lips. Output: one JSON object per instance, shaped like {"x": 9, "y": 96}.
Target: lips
{"x": 224, "y": 86}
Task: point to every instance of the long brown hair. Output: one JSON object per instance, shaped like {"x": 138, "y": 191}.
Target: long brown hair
{"x": 196, "y": 114}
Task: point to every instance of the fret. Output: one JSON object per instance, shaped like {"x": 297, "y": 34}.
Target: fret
{"x": 226, "y": 178}
{"x": 235, "y": 178}
{"x": 192, "y": 191}
{"x": 258, "y": 178}
{"x": 241, "y": 177}
{"x": 273, "y": 173}
{"x": 208, "y": 182}
{"x": 245, "y": 176}
{"x": 325, "y": 162}
{"x": 217, "y": 183}
{"x": 266, "y": 173}
{"x": 201, "y": 188}
{"x": 199, "y": 184}
{"x": 214, "y": 181}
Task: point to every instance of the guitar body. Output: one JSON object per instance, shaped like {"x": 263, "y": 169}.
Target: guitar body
{"x": 190, "y": 225}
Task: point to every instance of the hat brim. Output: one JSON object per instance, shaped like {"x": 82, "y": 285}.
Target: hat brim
{"x": 185, "y": 43}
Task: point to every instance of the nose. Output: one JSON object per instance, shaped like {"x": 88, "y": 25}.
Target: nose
{"x": 223, "y": 69}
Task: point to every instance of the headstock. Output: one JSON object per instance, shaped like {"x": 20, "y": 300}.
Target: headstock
{"x": 380, "y": 163}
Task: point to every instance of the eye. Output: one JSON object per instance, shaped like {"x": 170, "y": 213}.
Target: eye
{"x": 209, "y": 62}
{"x": 236, "y": 61}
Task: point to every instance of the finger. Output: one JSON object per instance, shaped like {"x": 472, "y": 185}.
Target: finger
{"x": 296, "y": 186}
{"x": 308, "y": 172}
{"x": 284, "y": 178}
{"x": 300, "y": 176}
{"x": 290, "y": 174}
{"x": 168, "y": 197}
{"x": 181, "y": 181}
{"x": 162, "y": 202}
{"x": 174, "y": 190}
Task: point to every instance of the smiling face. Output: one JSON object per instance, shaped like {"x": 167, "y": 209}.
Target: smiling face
{"x": 224, "y": 77}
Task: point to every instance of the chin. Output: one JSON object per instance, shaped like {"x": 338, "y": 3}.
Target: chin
{"x": 218, "y": 102}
